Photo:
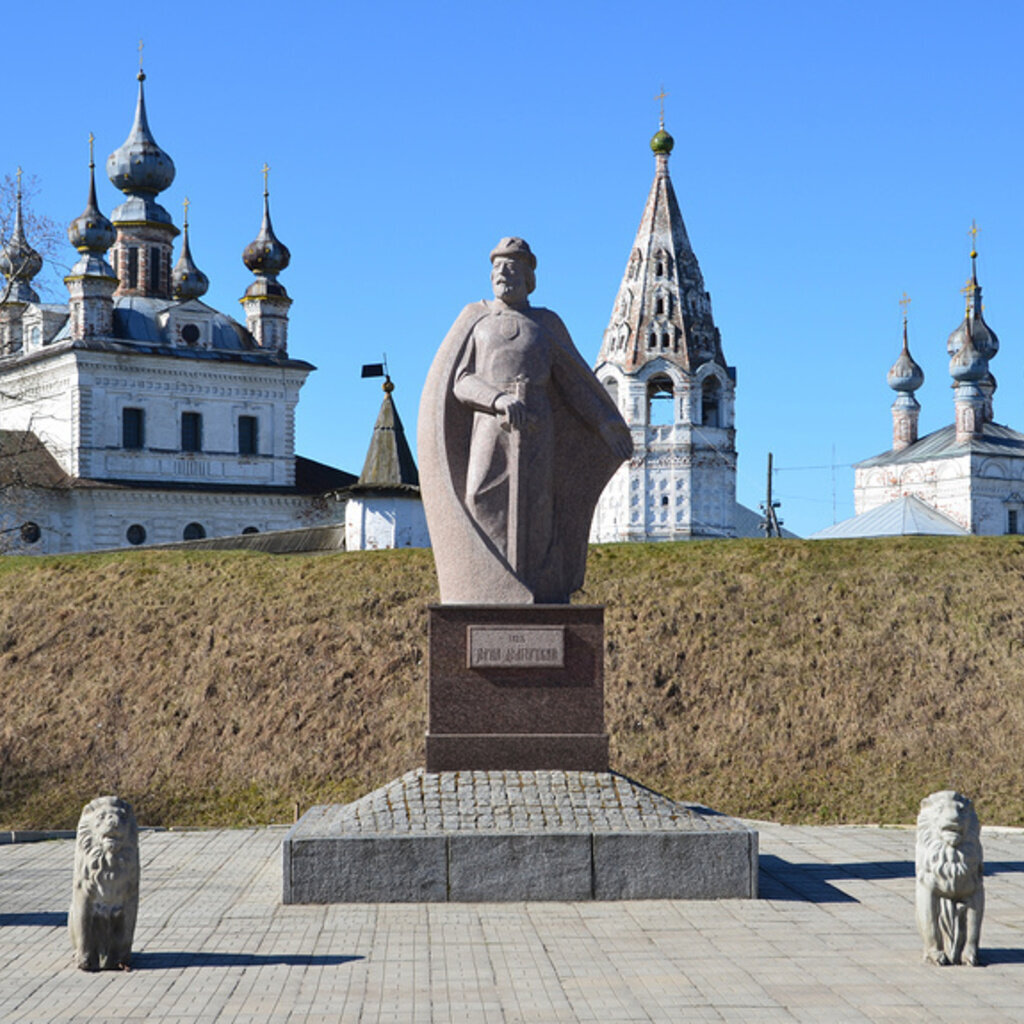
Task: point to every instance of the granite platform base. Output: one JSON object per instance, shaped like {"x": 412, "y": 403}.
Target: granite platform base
{"x": 483, "y": 836}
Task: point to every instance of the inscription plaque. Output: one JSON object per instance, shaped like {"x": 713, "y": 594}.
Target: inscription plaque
{"x": 516, "y": 646}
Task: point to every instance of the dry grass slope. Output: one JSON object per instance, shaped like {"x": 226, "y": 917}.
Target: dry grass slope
{"x": 819, "y": 682}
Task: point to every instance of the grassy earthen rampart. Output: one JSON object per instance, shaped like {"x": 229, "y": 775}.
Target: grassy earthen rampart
{"x": 816, "y": 682}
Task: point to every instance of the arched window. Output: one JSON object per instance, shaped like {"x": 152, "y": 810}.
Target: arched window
{"x": 194, "y": 531}
{"x": 711, "y": 403}
{"x": 660, "y": 404}
{"x": 612, "y": 387}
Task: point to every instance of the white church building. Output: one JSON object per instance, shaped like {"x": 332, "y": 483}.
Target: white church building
{"x": 969, "y": 474}
{"x": 135, "y": 413}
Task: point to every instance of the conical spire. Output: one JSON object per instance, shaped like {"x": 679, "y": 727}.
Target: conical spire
{"x": 140, "y": 168}
{"x": 187, "y": 280}
{"x": 662, "y": 309}
{"x": 19, "y": 262}
{"x": 389, "y": 462}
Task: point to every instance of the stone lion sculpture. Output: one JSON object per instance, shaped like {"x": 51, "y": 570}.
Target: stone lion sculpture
{"x": 105, "y": 893}
{"x": 950, "y": 897}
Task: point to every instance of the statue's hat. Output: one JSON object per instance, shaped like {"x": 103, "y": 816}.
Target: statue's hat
{"x": 516, "y": 248}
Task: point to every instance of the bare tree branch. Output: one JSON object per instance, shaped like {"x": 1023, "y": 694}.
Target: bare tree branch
{"x": 44, "y": 234}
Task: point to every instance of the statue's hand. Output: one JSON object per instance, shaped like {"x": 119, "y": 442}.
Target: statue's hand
{"x": 618, "y": 438}
{"x": 511, "y": 411}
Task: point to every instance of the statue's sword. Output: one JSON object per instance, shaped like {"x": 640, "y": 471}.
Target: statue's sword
{"x": 516, "y": 536}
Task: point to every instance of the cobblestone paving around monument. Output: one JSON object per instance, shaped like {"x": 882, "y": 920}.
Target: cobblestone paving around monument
{"x": 503, "y": 801}
{"x": 831, "y": 941}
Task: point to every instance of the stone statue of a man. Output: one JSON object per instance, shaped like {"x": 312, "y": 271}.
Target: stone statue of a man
{"x": 517, "y": 439}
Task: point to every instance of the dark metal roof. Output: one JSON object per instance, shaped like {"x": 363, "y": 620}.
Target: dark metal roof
{"x": 318, "y": 478}
{"x": 942, "y": 444}
{"x": 389, "y": 463}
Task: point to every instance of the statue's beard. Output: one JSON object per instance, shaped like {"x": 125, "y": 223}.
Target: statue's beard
{"x": 509, "y": 293}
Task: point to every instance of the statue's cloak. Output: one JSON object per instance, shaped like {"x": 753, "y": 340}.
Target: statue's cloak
{"x": 470, "y": 568}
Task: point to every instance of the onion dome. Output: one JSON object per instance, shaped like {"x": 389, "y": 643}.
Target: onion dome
{"x": 140, "y": 169}
{"x": 187, "y": 280}
{"x": 984, "y": 338}
{"x": 90, "y": 231}
{"x": 19, "y": 262}
{"x": 266, "y": 256}
{"x": 968, "y": 365}
{"x": 905, "y": 375}
{"x": 662, "y": 142}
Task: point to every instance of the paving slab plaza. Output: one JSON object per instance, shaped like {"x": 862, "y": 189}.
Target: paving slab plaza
{"x": 831, "y": 939}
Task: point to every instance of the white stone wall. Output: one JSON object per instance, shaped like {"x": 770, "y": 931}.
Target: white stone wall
{"x": 166, "y": 388}
{"x": 73, "y": 402}
{"x": 975, "y": 491}
{"x": 42, "y": 396}
{"x": 91, "y": 519}
{"x": 942, "y": 483}
{"x": 378, "y": 522}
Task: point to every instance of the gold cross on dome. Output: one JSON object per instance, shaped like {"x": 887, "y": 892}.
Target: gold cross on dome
{"x": 186, "y": 204}
{"x": 904, "y": 303}
{"x": 18, "y": 176}
{"x": 661, "y": 99}
{"x": 92, "y": 139}
{"x": 140, "y": 54}
{"x": 266, "y": 172}
{"x": 973, "y": 232}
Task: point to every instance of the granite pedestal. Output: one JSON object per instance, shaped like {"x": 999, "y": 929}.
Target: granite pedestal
{"x": 482, "y": 836}
{"x": 517, "y": 801}
{"x": 516, "y": 687}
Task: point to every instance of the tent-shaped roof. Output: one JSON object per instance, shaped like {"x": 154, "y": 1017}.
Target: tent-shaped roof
{"x": 389, "y": 465}
{"x": 906, "y": 516}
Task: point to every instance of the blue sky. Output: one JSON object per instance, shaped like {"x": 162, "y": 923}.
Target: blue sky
{"x": 829, "y": 157}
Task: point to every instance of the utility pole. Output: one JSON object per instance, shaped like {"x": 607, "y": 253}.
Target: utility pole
{"x": 771, "y": 522}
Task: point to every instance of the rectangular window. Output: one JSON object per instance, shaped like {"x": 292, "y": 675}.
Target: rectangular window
{"x": 154, "y": 269}
{"x": 191, "y": 432}
{"x": 1011, "y": 521}
{"x": 133, "y": 428}
{"x": 248, "y": 435}
{"x": 133, "y": 267}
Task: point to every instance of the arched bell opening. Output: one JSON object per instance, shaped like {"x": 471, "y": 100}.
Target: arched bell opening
{"x": 660, "y": 401}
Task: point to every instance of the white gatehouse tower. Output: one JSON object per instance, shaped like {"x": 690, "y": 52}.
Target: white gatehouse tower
{"x": 661, "y": 360}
